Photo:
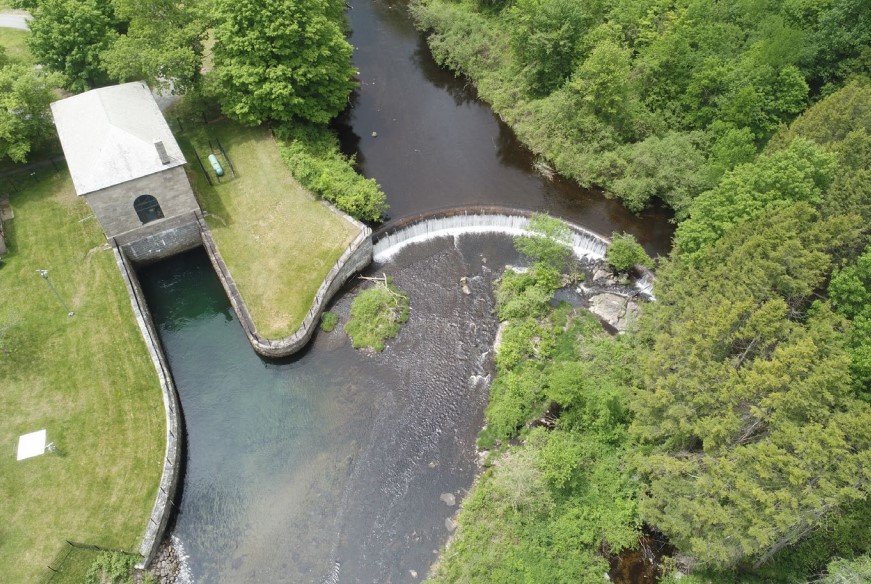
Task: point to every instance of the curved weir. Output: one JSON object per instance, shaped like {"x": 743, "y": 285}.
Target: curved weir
{"x": 584, "y": 243}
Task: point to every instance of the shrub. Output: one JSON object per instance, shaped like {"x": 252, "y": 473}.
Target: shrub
{"x": 111, "y": 567}
{"x": 312, "y": 154}
{"x": 329, "y": 320}
{"x": 376, "y": 315}
{"x": 625, "y": 252}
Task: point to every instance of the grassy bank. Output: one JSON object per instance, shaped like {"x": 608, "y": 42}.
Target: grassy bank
{"x": 15, "y": 43}
{"x": 86, "y": 379}
{"x": 277, "y": 239}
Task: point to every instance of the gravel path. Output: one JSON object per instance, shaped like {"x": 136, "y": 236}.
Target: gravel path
{"x": 14, "y": 19}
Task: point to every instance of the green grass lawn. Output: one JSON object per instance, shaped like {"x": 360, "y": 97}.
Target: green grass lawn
{"x": 15, "y": 43}
{"x": 277, "y": 240}
{"x": 86, "y": 379}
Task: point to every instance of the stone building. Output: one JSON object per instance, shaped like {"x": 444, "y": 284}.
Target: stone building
{"x": 125, "y": 161}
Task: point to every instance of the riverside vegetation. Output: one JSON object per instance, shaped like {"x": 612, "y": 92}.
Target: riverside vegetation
{"x": 377, "y": 313}
{"x": 738, "y": 413}
{"x": 736, "y": 419}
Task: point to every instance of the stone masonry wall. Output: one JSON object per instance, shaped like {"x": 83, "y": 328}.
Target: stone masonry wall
{"x": 355, "y": 258}
{"x": 172, "y": 461}
{"x": 178, "y": 234}
{"x": 113, "y": 206}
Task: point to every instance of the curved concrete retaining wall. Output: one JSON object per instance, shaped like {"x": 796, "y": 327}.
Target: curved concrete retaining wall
{"x": 162, "y": 509}
{"x": 357, "y": 256}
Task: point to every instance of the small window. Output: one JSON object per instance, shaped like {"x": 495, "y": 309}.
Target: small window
{"x": 147, "y": 208}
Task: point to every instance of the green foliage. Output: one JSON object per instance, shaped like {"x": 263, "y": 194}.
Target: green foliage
{"x": 841, "y": 571}
{"x": 312, "y": 154}
{"x": 112, "y": 568}
{"x": 550, "y": 243}
{"x": 69, "y": 36}
{"x": 281, "y": 60}
{"x": 25, "y": 118}
{"x": 625, "y": 253}
{"x": 801, "y": 172}
{"x": 850, "y": 293}
{"x": 545, "y": 509}
{"x": 648, "y": 100}
{"x": 832, "y": 118}
{"x": 163, "y": 43}
{"x": 671, "y": 168}
{"x": 545, "y": 37}
{"x": 329, "y": 321}
{"x": 746, "y": 397}
{"x": 376, "y": 315}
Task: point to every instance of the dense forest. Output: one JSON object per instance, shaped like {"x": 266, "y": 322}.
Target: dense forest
{"x": 735, "y": 419}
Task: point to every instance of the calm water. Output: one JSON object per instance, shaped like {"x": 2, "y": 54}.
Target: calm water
{"x": 330, "y": 467}
{"x": 437, "y": 146}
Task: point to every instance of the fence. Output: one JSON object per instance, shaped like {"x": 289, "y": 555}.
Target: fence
{"x": 72, "y": 562}
{"x": 19, "y": 178}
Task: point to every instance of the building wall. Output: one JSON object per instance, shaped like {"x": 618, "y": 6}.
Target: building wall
{"x": 178, "y": 231}
{"x": 113, "y": 206}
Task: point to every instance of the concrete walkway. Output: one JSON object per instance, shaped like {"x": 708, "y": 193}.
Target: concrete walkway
{"x": 14, "y": 19}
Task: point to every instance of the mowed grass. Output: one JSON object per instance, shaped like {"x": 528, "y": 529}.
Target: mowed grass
{"x": 86, "y": 379}
{"x": 278, "y": 241}
{"x": 15, "y": 43}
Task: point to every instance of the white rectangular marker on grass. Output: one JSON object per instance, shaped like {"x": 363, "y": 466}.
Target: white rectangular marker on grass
{"x": 30, "y": 445}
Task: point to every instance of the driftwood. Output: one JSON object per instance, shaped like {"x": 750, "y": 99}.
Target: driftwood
{"x": 383, "y": 281}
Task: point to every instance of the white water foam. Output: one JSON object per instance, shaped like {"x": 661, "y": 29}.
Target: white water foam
{"x": 184, "y": 575}
{"x": 584, "y": 243}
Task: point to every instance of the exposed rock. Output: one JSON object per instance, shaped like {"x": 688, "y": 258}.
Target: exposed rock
{"x": 606, "y": 275}
{"x": 450, "y": 524}
{"x": 413, "y": 573}
{"x": 499, "y": 332}
{"x": 449, "y": 499}
{"x": 464, "y": 283}
{"x": 616, "y": 310}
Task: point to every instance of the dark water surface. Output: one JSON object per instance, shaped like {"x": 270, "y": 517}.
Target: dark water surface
{"x": 438, "y": 146}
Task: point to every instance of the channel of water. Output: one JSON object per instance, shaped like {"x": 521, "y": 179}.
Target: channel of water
{"x": 331, "y": 466}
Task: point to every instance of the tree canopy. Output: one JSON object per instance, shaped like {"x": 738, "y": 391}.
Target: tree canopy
{"x": 281, "y": 61}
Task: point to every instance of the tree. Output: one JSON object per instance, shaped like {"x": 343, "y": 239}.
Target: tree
{"x": 549, "y": 243}
{"x": 802, "y": 172}
{"x": 755, "y": 434}
{"x": 68, "y": 36}
{"x": 163, "y": 44}
{"x": 25, "y": 119}
{"x": 850, "y": 292}
{"x": 281, "y": 60}
{"x": 625, "y": 253}
{"x": 672, "y": 168}
{"x": 545, "y": 37}
{"x": 602, "y": 82}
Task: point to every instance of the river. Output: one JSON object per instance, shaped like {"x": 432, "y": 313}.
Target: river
{"x": 334, "y": 466}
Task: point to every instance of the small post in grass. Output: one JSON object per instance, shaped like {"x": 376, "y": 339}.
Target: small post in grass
{"x": 44, "y": 274}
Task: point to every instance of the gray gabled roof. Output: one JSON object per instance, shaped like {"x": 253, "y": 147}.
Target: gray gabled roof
{"x": 108, "y": 136}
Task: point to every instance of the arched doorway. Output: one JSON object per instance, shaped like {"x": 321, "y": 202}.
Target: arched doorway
{"x": 147, "y": 208}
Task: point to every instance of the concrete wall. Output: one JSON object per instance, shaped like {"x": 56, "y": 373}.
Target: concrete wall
{"x": 172, "y": 461}
{"x": 355, "y": 258}
{"x": 177, "y": 234}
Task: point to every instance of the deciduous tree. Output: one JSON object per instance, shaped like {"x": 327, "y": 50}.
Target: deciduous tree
{"x": 281, "y": 60}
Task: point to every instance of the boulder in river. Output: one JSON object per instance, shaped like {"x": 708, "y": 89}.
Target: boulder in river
{"x": 618, "y": 311}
